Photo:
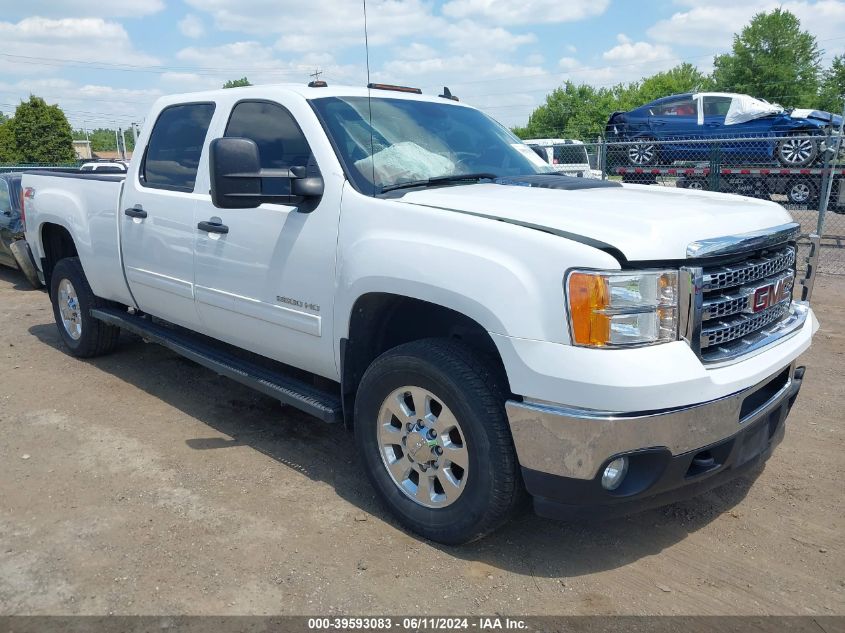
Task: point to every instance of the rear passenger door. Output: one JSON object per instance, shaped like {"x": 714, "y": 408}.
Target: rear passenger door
{"x": 157, "y": 215}
{"x": 266, "y": 284}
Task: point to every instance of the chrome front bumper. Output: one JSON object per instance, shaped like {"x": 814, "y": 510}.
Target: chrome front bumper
{"x": 576, "y": 443}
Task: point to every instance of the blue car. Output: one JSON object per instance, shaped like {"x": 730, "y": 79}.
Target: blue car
{"x": 690, "y": 120}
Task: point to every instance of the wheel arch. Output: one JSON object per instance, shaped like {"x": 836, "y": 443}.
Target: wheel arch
{"x": 380, "y": 321}
{"x": 56, "y": 243}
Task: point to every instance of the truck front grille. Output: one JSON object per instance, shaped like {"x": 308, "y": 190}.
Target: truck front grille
{"x": 742, "y": 305}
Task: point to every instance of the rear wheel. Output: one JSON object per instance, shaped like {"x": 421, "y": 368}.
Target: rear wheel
{"x": 83, "y": 335}
{"x": 643, "y": 153}
{"x": 797, "y": 151}
{"x": 431, "y": 429}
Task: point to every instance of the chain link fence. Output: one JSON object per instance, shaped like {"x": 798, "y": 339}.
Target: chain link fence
{"x": 804, "y": 173}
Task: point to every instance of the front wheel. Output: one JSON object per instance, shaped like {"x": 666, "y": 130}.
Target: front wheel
{"x": 801, "y": 192}
{"x": 797, "y": 151}
{"x": 83, "y": 335}
{"x": 431, "y": 429}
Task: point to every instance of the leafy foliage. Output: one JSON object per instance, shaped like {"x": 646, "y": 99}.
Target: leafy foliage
{"x": 832, "y": 91}
{"x": 41, "y": 133}
{"x": 237, "y": 83}
{"x": 105, "y": 140}
{"x": 772, "y": 58}
{"x": 8, "y": 149}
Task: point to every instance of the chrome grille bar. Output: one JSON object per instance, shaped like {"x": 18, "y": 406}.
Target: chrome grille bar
{"x": 740, "y": 325}
{"x": 749, "y": 271}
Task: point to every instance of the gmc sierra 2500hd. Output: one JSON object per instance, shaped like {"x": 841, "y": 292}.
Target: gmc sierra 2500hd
{"x": 405, "y": 264}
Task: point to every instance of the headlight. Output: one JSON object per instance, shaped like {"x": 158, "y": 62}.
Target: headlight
{"x": 619, "y": 308}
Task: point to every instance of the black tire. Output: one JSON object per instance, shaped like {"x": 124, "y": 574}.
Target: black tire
{"x": 643, "y": 153}
{"x": 476, "y": 397}
{"x": 802, "y": 192}
{"x": 797, "y": 151}
{"x": 95, "y": 338}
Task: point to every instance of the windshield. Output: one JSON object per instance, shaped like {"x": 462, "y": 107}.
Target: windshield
{"x": 416, "y": 141}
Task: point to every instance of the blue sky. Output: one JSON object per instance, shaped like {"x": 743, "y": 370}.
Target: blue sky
{"x": 106, "y": 62}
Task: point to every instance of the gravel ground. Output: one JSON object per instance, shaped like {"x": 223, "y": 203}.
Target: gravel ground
{"x": 140, "y": 483}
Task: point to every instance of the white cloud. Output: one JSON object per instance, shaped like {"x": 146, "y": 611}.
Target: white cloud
{"x": 86, "y": 105}
{"x": 192, "y": 26}
{"x": 260, "y": 64}
{"x": 70, "y": 39}
{"x": 338, "y": 25}
{"x": 628, "y": 51}
{"x": 526, "y": 11}
{"x": 92, "y": 8}
{"x": 714, "y": 25}
{"x": 568, "y": 63}
{"x": 468, "y": 36}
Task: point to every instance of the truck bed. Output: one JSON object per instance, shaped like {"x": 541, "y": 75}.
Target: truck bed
{"x": 88, "y": 203}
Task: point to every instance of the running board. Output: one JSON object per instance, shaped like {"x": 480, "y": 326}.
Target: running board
{"x": 287, "y": 389}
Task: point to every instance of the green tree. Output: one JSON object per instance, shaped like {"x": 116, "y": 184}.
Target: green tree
{"x": 3, "y": 118}
{"x": 42, "y": 133}
{"x": 832, "y": 91}
{"x": 772, "y": 58}
{"x": 237, "y": 83}
{"x": 8, "y": 148}
{"x": 105, "y": 140}
{"x": 682, "y": 78}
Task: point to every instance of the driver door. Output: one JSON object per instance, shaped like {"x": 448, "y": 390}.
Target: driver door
{"x": 265, "y": 277}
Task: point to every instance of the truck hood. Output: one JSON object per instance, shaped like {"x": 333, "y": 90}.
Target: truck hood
{"x": 644, "y": 222}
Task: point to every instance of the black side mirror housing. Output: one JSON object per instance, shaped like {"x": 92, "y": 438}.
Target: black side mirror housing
{"x": 237, "y": 178}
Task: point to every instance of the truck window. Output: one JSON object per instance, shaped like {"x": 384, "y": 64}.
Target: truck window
{"x": 280, "y": 141}
{"x": 173, "y": 154}
{"x": 5, "y": 199}
{"x": 570, "y": 154}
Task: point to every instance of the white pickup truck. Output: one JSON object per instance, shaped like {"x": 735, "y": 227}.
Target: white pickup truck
{"x": 404, "y": 264}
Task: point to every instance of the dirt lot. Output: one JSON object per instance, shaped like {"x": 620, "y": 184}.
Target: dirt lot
{"x": 142, "y": 483}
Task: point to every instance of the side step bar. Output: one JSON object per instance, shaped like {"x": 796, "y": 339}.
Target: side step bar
{"x": 287, "y": 389}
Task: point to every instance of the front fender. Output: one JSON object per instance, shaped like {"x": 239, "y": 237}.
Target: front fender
{"x": 507, "y": 278}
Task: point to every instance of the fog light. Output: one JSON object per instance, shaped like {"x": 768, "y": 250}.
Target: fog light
{"x": 614, "y": 473}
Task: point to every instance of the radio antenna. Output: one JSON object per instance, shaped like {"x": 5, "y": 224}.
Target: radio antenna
{"x": 369, "y": 99}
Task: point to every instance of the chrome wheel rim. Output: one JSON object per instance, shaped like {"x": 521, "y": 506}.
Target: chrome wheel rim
{"x": 422, "y": 447}
{"x": 796, "y": 150}
{"x": 69, "y": 309}
{"x": 800, "y": 192}
{"x": 696, "y": 185}
{"x": 641, "y": 154}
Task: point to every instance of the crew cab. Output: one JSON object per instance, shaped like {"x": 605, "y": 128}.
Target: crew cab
{"x": 403, "y": 264}
{"x": 565, "y": 155}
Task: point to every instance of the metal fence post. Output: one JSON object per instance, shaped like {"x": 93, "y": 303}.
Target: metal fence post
{"x": 715, "y": 165}
{"x": 830, "y": 159}
{"x": 603, "y": 157}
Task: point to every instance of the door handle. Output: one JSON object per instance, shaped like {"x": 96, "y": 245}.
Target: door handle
{"x": 213, "y": 227}
{"x": 135, "y": 212}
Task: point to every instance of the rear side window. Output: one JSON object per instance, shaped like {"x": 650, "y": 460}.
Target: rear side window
{"x": 280, "y": 141}
{"x": 175, "y": 147}
{"x": 681, "y": 107}
{"x": 569, "y": 154}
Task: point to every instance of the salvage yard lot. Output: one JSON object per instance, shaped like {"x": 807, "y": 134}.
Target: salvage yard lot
{"x": 142, "y": 483}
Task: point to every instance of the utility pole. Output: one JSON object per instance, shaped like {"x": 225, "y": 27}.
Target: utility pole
{"x": 117, "y": 141}
{"x": 135, "y": 134}
{"x": 316, "y": 74}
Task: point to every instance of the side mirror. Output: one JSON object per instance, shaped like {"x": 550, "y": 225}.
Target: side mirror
{"x": 235, "y": 167}
{"x": 237, "y": 179}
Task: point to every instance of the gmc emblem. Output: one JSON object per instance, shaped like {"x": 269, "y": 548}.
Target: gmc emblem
{"x": 769, "y": 295}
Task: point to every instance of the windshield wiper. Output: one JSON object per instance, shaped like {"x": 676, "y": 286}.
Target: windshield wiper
{"x": 439, "y": 180}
